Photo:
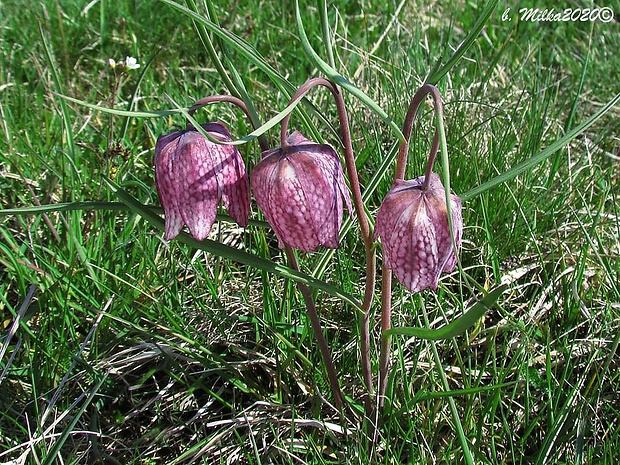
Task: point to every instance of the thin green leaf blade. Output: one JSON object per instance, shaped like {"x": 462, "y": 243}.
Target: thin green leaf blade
{"x": 540, "y": 157}
{"x": 224, "y": 251}
{"x": 438, "y": 71}
{"x": 456, "y": 327}
{"x": 339, "y": 79}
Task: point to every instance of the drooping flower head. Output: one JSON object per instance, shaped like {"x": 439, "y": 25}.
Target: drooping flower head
{"x": 413, "y": 226}
{"x": 193, "y": 174}
{"x": 299, "y": 188}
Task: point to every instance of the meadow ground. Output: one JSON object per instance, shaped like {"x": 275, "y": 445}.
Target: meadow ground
{"x": 117, "y": 346}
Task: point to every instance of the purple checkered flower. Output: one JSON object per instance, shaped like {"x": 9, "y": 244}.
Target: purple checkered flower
{"x": 413, "y": 226}
{"x": 299, "y": 188}
{"x": 193, "y": 174}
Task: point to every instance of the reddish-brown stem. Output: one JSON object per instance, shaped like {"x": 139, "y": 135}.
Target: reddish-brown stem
{"x": 229, "y": 99}
{"x": 401, "y": 165}
{"x": 386, "y": 341}
{"x": 305, "y": 291}
{"x": 318, "y": 331}
{"x": 403, "y": 149}
{"x": 364, "y": 320}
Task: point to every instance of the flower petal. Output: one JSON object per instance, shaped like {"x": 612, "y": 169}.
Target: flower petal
{"x": 232, "y": 178}
{"x": 164, "y": 160}
{"x": 263, "y": 178}
{"x": 413, "y": 226}
{"x": 314, "y": 167}
{"x": 300, "y": 190}
{"x": 291, "y": 210}
{"x": 195, "y": 176}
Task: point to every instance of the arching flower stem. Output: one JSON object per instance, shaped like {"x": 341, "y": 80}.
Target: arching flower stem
{"x": 386, "y": 273}
{"x": 364, "y": 319}
{"x": 235, "y": 101}
{"x": 403, "y": 149}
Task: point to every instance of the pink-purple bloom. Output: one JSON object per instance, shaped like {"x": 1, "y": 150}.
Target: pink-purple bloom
{"x": 299, "y": 188}
{"x": 193, "y": 174}
{"x": 413, "y": 226}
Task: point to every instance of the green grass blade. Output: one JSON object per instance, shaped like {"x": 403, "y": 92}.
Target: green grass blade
{"x": 106, "y": 206}
{"x": 238, "y": 44}
{"x": 340, "y": 80}
{"x": 113, "y": 111}
{"x": 134, "y": 95}
{"x": 233, "y": 74}
{"x": 231, "y": 253}
{"x": 210, "y": 49}
{"x": 57, "y": 82}
{"x": 271, "y": 123}
{"x": 436, "y": 75}
{"x": 245, "y": 139}
{"x": 456, "y": 327}
{"x": 540, "y": 157}
{"x": 62, "y": 207}
{"x": 327, "y": 35}
{"x": 467, "y": 455}
{"x": 55, "y": 450}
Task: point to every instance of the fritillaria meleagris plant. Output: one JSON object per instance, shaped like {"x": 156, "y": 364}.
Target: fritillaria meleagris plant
{"x": 300, "y": 188}
{"x": 420, "y": 238}
{"x": 193, "y": 174}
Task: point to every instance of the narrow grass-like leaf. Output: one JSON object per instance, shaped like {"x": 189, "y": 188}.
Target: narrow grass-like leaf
{"x": 56, "y": 78}
{"x": 62, "y": 207}
{"x": 75, "y": 418}
{"x": 541, "y": 156}
{"x": 557, "y": 161}
{"x": 456, "y": 327}
{"x": 467, "y": 455}
{"x": 327, "y": 36}
{"x": 109, "y": 206}
{"x": 243, "y": 140}
{"x": 63, "y": 107}
{"x": 238, "y": 44}
{"x": 210, "y": 49}
{"x": 113, "y": 111}
{"x": 233, "y": 78}
{"x": 439, "y": 71}
{"x": 184, "y": 111}
{"x": 340, "y": 80}
{"x": 422, "y": 396}
{"x": 233, "y": 74}
{"x": 231, "y": 253}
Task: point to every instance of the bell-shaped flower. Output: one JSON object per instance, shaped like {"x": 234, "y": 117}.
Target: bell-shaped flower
{"x": 193, "y": 174}
{"x": 299, "y": 188}
{"x": 413, "y": 226}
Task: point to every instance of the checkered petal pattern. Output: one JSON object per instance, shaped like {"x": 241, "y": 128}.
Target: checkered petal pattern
{"x": 193, "y": 174}
{"x": 300, "y": 189}
{"x": 413, "y": 226}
